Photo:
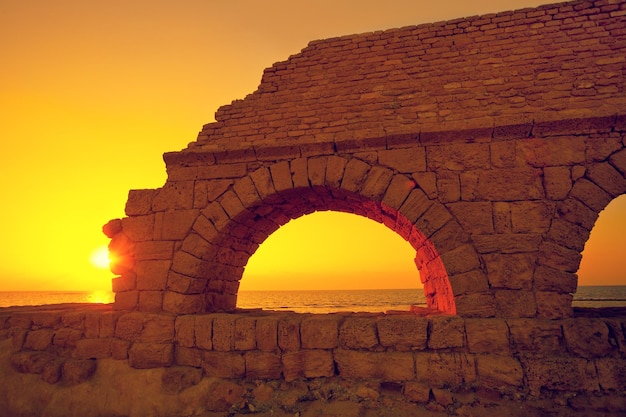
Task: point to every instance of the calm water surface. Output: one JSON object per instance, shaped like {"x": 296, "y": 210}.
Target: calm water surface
{"x": 312, "y": 301}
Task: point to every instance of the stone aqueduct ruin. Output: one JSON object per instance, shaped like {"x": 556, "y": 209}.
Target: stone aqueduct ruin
{"x": 490, "y": 144}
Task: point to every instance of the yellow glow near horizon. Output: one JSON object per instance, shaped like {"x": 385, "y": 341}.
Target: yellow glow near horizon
{"x": 332, "y": 250}
{"x": 93, "y": 93}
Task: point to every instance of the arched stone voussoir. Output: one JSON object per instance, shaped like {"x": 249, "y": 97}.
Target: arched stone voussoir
{"x": 605, "y": 176}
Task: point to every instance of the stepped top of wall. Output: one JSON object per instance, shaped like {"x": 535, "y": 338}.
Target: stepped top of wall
{"x": 555, "y": 62}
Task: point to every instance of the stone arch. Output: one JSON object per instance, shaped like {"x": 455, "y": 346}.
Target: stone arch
{"x": 560, "y": 253}
{"x": 230, "y": 229}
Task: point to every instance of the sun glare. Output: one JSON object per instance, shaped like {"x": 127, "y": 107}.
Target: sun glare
{"x": 100, "y": 257}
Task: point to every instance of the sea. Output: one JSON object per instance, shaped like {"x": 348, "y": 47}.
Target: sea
{"x": 319, "y": 301}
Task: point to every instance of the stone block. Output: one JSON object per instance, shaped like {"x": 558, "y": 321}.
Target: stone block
{"x": 152, "y": 275}
{"x": 508, "y": 185}
{"x": 531, "y": 216}
{"x": 308, "y": 364}
{"x": 320, "y": 332}
{"x": 557, "y": 182}
{"x": 150, "y": 355}
{"x": 405, "y": 160}
{"x": 469, "y": 282}
{"x": 559, "y": 373}
{"x": 587, "y": 338}
{"x": 554, "y": 305}
{"x": 281, "y": 176}
{"x": 535, "y": 336}
{"x": 554, "y": 151}
{"x": 185, "y": 356}
{"x": 354, "y": 175}
{"x": 446, "y": 332}
{"x": 399, "y": 188}
{"x": 150, "y": 301}
{"x": 590, "y": 195}
{"x": 263, "y": 365}
{"x": 127, "y": 282}
{"x": 608, "y": 178}
{"x": 38, "y": 339}
{"x": 403, "y": 332}
{"x": 176, "y": 224}
{"x": 502, "y": 373}
{"x": 223, "y": 364}
{"x": 376, "y": 183}
{"x": 567, "y": 234}
{"x": 559, "y": 257}
{"x": 358, "y": 333}
{"x": 316, "y": 169}
{"x": 245, "y": 333}
{"x": 138, "y": 228}
{"x": 515, "y": 303}
{"x": 474, "y": 217}
{"x": 335, "y": 167}
{"x": 223, "y": 332}
{"x": 126, "y": 300}
{"x": 157, "y": 328}
{"x": 92, "y": 349}
{"x": 289, "y": 333}
{"x": 174, "y": 195}
{"x": 448, "y": 187}
{"x": 487, "y": 335}
{"x": 184, "y": 327}
{"x": 460, "y": 260}
{"x": 174, "y": 302}
{"x": 618, "y": 160}
{"x": 183, "y": 284}
{"x": 119, "y": 349}
{"x": 458, "y": 157}
{"x": 388, "y": 366}
{"x": 416, "y": 392}
{"x": 479, "y": 304}
{"x": 65, "y": 337}
{"x": 507, "y": 243}
{"x": 510, "y": 271}
{"x": 441, "y": 370}
{"x": 267, "y": 334}
{"x": 611, "y": 373}
{"x": 139, "y": 202}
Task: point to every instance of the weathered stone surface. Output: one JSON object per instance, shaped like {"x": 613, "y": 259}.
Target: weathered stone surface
{"x": 320, "y": 332}
{"x": 445, "y": 369}
{"x": 403, "y": 332}
{"x": 223, "y": 364}
{"x": 502, "y": 373}
{"x": 446, "y": 332}
{"x": 587, "y": 338}
{"x": 397, "y": 366}
{"x": 358, "y": 333}
{"x": 150, "y": 355}
{"x": 485, "y": 336}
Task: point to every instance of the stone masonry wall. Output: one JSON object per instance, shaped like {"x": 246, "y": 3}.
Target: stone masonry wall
{"x": 489, "y": 143}
{"x": 268, "y": 362}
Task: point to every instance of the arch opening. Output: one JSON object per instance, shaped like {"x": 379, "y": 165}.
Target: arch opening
{"x": 330, "y": 261}
{"x": 242, "y": 237}
{"x": 602, "y": 271}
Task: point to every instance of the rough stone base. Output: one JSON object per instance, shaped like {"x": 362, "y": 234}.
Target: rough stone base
{"x": 116, "y": 389}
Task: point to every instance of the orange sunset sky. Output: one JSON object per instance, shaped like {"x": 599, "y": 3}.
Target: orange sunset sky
{"x": 92, "y": 93}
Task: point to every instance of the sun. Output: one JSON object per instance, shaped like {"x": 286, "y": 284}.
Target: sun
{"x": 100, "y": 257}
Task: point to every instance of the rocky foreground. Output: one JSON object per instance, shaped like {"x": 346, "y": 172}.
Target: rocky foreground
{"x": 86, "y": 360}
